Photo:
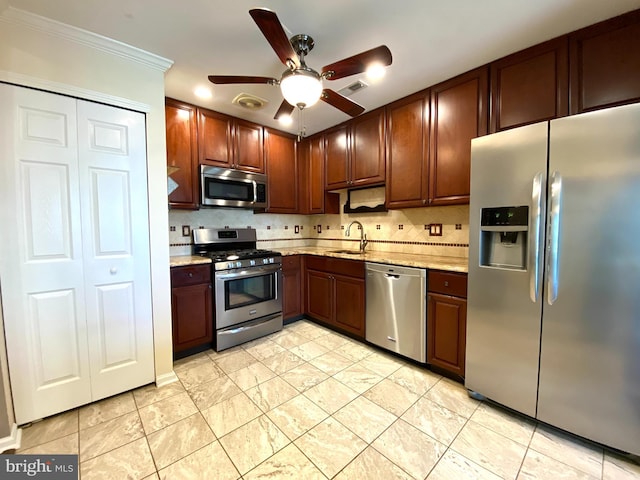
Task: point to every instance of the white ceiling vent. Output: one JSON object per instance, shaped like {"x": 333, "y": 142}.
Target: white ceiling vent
{"x": 250, "y": 102}
{"x": 353, "y": 88}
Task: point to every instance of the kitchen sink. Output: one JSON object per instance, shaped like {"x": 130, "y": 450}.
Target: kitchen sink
{"x": 348, "y": 252}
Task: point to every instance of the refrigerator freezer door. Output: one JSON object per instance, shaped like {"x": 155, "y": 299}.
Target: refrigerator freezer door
{"x": 590, "y": 354}
{"x": 503, "y": 323}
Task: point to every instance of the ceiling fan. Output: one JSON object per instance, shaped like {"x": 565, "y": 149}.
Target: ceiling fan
{"x": 302, "y": 86}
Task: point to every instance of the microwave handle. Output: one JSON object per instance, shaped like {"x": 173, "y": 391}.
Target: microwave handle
{"x": 255, "y": 191}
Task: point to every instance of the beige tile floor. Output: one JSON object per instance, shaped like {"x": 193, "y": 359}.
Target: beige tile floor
{"x": 307, "y": 403}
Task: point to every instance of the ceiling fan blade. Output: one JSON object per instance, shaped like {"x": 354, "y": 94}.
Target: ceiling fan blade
{"x": 285, "y": 109}
{"x": 341, "y": 102}
{"x": 273, "y": 31}
{"x": 226, "y": 79}
{"x": 358, "y": 63}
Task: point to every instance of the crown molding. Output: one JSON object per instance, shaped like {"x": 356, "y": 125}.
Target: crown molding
{"x": 26, "y": 19}
{"x": 72, "y": 91}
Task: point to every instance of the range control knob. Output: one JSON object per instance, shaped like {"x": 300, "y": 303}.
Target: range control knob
{"x": 252, "y": 262}
{"x": 230, "y": 265}
{"x": 271, "y": 260}
{"x": 265, "y": 260}
{"x": 238, "y": 264}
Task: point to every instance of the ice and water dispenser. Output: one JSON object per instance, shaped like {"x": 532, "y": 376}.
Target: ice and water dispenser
{"x": 503, "y": 237}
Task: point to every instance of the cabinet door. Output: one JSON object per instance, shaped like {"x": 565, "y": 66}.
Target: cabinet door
{"x": 367, "y": 149}
{"x": 215, "y": 141}
{"x": 316, "y": 175}
{"x": 349, "y": 304}
{"x": 282, "y": 178}
{"x": 292, "y": 287}
{"x": 530, "y": 86}
{"x": 336, "y": 158}
{"x": 446, "y": 332}
{"x": 458, "y": 114}
{"x": 408, "y": 152}
{"x": 182, "y": 153}
{"x": 248, "y": 152}
{"x": 319, "y": 292}
{"x": 192, "y": 316}
{"x": 605, "y": 64}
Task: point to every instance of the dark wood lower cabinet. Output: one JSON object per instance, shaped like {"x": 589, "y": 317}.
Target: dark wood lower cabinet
{"x": 447, "y": 330}
{"x": 191, "y": 307}
{"x": 349, "y": 304}
{"x": 292, "y": 287}
{"x": 335, "y": 293}
{"x": 447, "y": 321}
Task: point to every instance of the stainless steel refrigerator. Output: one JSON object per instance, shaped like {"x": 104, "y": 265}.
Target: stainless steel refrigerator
{"x": 553, "y": 319}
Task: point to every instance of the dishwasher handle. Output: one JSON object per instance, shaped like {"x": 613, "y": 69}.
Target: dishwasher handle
{"x": 391, "y": 275}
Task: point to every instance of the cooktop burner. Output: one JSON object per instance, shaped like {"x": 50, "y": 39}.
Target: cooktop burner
{"x": 239, "y": 254}
{"x": 232, "y": 248}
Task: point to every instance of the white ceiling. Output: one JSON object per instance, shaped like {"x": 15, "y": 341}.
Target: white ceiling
{"x": 431, "y": 40}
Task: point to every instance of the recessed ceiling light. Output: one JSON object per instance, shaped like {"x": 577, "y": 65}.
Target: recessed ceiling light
{"x": 375, "y": 71}
{"x": 285, "y": 120}
{"x": 203, "y": 92}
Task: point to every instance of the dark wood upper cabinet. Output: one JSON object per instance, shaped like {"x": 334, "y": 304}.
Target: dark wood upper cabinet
{"x": 605, "y": 64}
{"x": 312, "y": 198}
{"x": 367, "y": 149}
{"x": 215, "y": 141}
{"x": 336, "y": 148}
{"x": 248, "y": 146}
{"x": 182, "y": 152}
{"x": 282, "y": 175}
{"x": 229, "y": 142}
{"x": 354, "y": 152}
{"x": 458, "y": 114}
{"x": 530, "y": 86}
{"x": 407, "y": 146}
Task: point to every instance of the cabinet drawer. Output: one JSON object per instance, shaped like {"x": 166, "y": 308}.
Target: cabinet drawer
{"x": 351, "y": 268}
{"x": 190, "y": 275}
{"x": 291, "y": 262}
{"x": 448, "y": 283}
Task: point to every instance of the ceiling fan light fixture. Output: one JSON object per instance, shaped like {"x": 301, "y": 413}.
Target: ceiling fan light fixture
{"x": 301, "y": 87}
{"x": 375, "y": 71}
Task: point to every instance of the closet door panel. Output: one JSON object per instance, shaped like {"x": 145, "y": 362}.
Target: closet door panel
{"x": 115, "y": 226}
{"x": 41, "y": 270}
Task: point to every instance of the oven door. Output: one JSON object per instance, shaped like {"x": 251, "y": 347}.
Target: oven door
{"x": 246, "y": 294}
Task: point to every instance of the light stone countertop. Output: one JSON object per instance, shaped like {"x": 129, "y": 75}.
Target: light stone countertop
{"x": 433, "y": 262}
{"x": 185, "y": 260}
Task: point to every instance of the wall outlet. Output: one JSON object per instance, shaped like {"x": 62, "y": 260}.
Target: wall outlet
{"x": 186, "y": 230}
{"x": 435, "y": 230}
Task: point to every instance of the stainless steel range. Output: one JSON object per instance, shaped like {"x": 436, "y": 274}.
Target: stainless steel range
{"x": 247, "y": 291}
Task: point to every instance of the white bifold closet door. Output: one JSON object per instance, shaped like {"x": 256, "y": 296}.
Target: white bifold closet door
{"x": 74, "y": 243}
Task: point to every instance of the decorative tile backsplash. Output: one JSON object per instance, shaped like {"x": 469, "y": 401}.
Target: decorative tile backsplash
{"x": 393, "y": 231}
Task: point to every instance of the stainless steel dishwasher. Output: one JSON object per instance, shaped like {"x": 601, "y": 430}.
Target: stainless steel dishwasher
{"x": 396, "y": 317}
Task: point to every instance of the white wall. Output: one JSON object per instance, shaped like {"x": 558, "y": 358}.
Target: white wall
{"x": 44, "y": 54}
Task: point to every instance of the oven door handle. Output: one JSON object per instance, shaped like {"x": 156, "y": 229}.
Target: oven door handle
{"x": 248, "y": 272}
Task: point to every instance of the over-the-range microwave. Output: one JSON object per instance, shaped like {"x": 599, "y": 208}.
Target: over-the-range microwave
{"x": 224, "y": 187}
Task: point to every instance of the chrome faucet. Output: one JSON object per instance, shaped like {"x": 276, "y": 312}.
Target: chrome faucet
{"x": 363, "y": 236}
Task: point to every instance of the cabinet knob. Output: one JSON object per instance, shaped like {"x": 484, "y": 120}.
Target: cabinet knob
{"x": 113, "y": 270}
{"x": 446, "y": 284}
{"x": 190, "y": 275}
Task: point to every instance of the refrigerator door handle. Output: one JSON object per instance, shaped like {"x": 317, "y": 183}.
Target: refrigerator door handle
{"x": 535, "y": 212}
{"x": 554, "y": 237}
